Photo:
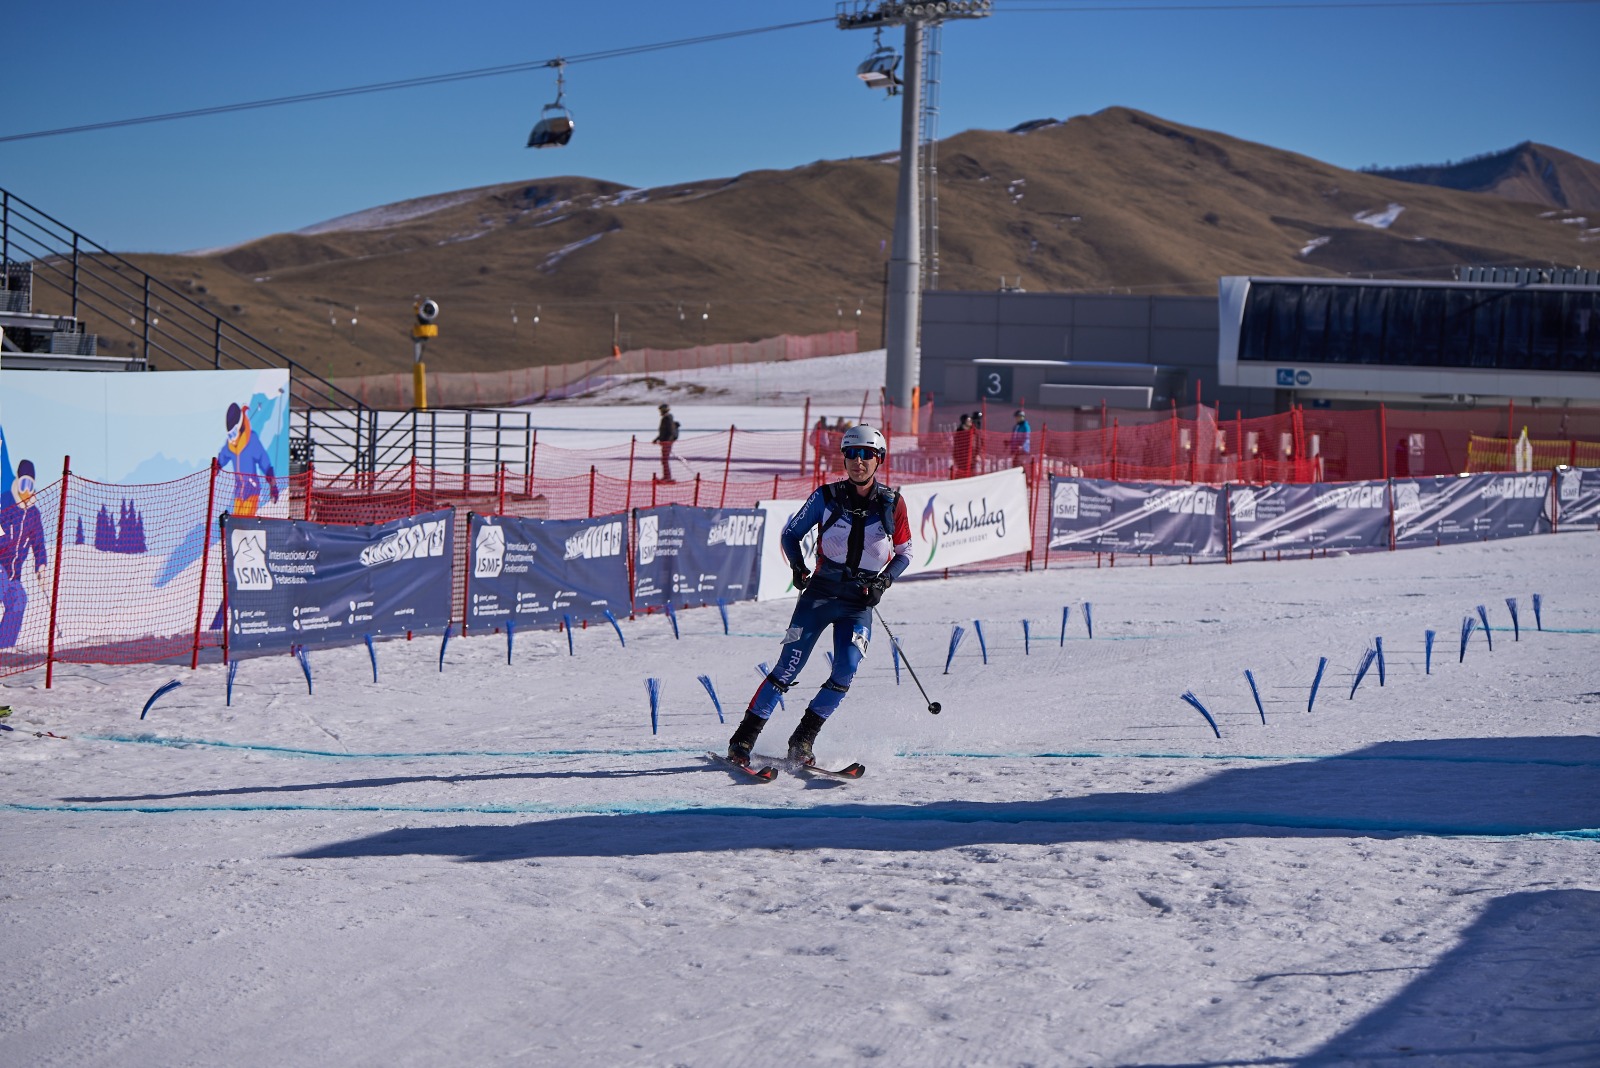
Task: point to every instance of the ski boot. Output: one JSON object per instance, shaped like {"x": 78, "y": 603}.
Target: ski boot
{"x": 744, "y": 739}
{"x": 804, "y": 736}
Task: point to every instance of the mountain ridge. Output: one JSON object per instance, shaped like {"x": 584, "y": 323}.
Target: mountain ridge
{"x": 558, "y": 268}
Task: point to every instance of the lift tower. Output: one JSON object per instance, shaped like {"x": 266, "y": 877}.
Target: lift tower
{"x": 905, "y": 264}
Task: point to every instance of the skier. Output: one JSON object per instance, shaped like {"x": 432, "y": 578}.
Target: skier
{"x": 666, "y": 434}
{"x": 863, "y": 545}
{"x": 244, "y": 451}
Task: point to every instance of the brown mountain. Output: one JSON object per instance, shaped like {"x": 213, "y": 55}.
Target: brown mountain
{"x": 1118, "y": 200}
{"x": 1536, "y": 174}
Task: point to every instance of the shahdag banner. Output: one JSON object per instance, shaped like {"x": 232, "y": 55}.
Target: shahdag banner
{"x": 1348, "y": 516}
{"x": 1093, "y": 515}
{"x": 296, "y": 583}
{"x": 1578, "y": 498}
{"x": 1449, "y": 509}
{"x": 697, "y": 555}
{"x": 968, "y": 520}
{"x": 533, "y": 572}
{"x": 776, "y": 581}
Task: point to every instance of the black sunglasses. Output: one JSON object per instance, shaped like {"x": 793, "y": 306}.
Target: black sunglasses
{"x": 861, "y": 452}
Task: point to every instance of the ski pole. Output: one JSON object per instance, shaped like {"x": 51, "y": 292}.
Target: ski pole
{"x": 933, "y": 706}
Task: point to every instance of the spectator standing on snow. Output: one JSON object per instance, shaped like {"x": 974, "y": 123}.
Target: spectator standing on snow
{"x": 961, "y": 448}
{"x": 1021, "y": 440}
{"x": 666, "y": 434}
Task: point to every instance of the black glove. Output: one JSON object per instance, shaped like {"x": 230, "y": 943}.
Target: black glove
{"x": 872, "y": 589}
{"x": 802, "y": 578}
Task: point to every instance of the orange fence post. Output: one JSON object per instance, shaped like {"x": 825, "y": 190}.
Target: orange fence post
{"x": 1383, "y": 441}
{"x": 311, "y": 491}
{"x": 627, "y": 502}
{"x": 533, "y": 455}
{"x": 805, "y": 429}
{"x": 411, "y": 502}
{"x": 727, "y": 463}
{"x": 1114, "y": 450}
{"x": 55, "y": 578}
{"x": 502, "y": 477}
{"x": 696, "y": 501}
{"x": 205, "y": 561}
{"x": 591, "y": 491}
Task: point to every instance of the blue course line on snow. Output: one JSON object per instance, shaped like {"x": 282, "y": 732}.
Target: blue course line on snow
{"x": 283, "y": 750}
{"x": 897, "y": 814}
{"x": 1266, "y": 757}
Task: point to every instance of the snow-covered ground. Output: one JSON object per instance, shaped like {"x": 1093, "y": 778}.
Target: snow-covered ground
{"x": 500, "y": 864}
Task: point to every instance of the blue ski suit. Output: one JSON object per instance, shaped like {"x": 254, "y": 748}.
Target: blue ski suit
{"x": 860, "y": 538}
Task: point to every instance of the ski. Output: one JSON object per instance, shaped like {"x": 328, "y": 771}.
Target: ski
{"x": 765, "y": 773}
{"x": 849, "y": 771}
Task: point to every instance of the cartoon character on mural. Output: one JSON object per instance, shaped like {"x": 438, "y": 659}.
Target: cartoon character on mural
{"x": 21, "y": 537}
{"x": 248, "y": 458}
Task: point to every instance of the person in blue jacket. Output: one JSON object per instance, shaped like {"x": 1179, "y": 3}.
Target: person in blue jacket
{"x": 863, "y": 545}
{"x": 244, "y": 452}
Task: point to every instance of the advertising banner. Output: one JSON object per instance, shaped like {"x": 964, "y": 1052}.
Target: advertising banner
{"x": 967, "y": 520}
{"x": 1578, "y": 498}
{"x": 697, "y": 555}
{"x": 1093, "y": 515}
{"x": 532, "y": 572}
{"x": 1346, "y": 516}
{"x": 776, "y": 581}
{"x": 1449, "y": 509}
{"x": 295, "y": 583}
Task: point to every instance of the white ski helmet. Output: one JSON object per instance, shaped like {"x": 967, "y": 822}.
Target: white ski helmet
{"x": 861, "y": 434}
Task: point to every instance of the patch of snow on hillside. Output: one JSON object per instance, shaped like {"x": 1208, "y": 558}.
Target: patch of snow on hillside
{"x": 560, "y": 254}
{"x": 547, "y": 222}
{"x": 1314, "y": 244}
{"x": 388, "y": 215}
{"x": 1382, "y": 220}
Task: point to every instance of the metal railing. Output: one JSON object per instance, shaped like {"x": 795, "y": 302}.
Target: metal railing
{"x": 118, "y": 299}
{"x": 342, "y": 442}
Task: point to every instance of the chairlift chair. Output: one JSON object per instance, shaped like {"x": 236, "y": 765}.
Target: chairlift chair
{"x": 880, "y": 70}
{"x": 554, "y": 127}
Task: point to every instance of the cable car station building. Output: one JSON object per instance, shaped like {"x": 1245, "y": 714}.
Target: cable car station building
{"x": 1529, "y": 337}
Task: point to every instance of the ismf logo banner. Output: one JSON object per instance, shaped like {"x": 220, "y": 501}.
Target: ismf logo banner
{"x": 698, "y": 555}
{"x": 1446, "y": 509}
{"x": 1095, "y": 515}
{"x": 532, "y": 572}
{"x": 968, "y": 520}
{"x": 296, "y": 583}
{"x": 1580, "y": 498}
{"x": 1348, "y": 516}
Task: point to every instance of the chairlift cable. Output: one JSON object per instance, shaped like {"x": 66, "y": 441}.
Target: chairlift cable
{"x": 411, "y": 83}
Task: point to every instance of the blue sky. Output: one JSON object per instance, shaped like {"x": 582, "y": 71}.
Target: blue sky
{"x": 1352, "y": 86}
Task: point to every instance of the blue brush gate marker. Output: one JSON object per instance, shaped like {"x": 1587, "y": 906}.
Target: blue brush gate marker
{"x": 1026, "y": 649}
{"x": 1538, "y": 603}
{"x": 764, "y": 671}
{"x": 305, "y": 664}
{"x": 1066, "y": 610}
{"x": 233, "y": 669}
{"x": 165, "y": 688}
{"x": 1379, "y": 650}
{"x": 1361, "y": 671}
{"x": 1427, "y": 652}
{"x": 654, "y": 686}
{"x": 722, "y": 606}
{"x": 955, "y": 642}
{"x": 983, "y": 646}
{"x": 830, "y": 660}
{"x": 1251, "y": 679}
{"x": 567, "y": 622}
{"x": 372, "y": 653}
{"x": 1467, "y": 624}
{"x": 1088, "y": 617}
{"x": 894, "y": 653}
{"x": 1516, "y": 629}
{"x": 1483, "y": 615}
{"x": 449, "y": 629}
{"x": 705, "y": 680}
{"x": 1322, "y": 664}
{"x": 511, "y": 637}
{"x": 616, "y": 627}
{"x": 672, "y": 615}
{"x": 1189, "y": 696}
